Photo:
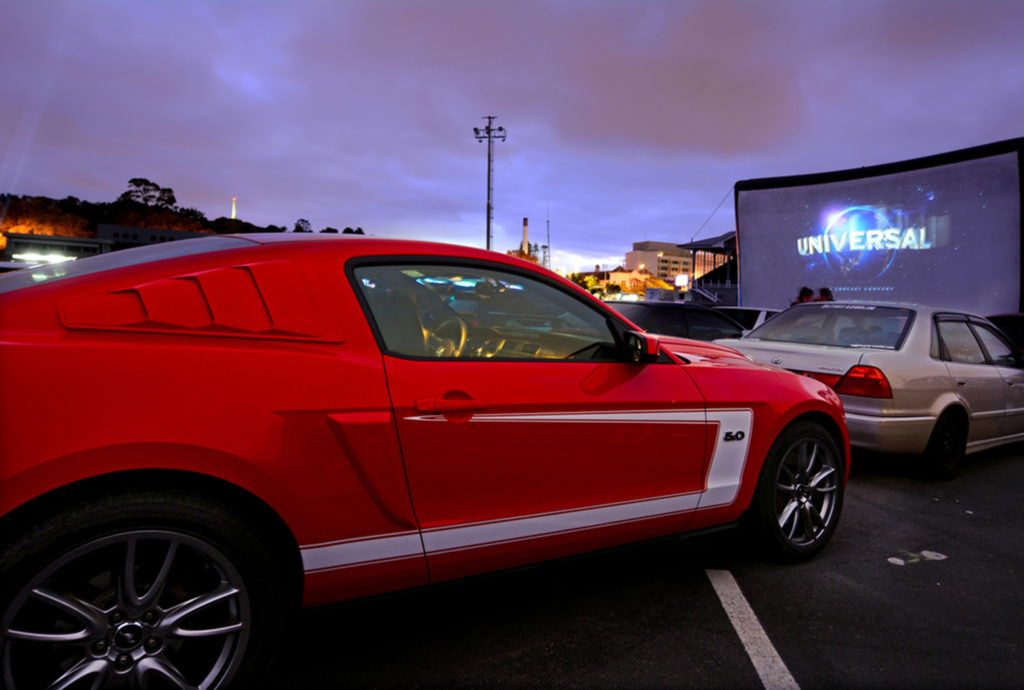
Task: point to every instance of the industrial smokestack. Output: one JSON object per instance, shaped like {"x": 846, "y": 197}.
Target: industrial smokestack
{"x": 526, "y": 238}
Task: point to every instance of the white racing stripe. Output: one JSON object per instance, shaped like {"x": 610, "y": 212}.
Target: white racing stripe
{"x": 353, "y": 552}
{"x": 444, "y": 539}
{"x": 730, "y": 456}
{"x": 767, "y": 662}
{"x": 727, "y": 462}
{"x": 585, "y": 417}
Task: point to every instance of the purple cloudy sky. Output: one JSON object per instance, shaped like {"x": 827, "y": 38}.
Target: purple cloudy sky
{"x": 627, "y": 119}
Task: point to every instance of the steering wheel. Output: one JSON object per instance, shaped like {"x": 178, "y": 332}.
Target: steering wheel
{"x": 447, "y": 338}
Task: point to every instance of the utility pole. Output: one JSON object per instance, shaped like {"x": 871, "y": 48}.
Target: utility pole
{"x": 547, "y": 247}
{"x": 489, "y": 134}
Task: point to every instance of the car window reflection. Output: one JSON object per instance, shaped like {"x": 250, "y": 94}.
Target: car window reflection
{"x": 459, "y": 312}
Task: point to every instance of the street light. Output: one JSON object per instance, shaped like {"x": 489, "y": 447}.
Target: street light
{"x": 489, "y": 134}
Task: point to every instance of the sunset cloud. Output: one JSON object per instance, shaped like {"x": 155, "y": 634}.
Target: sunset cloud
{"x": 626, "y": 120}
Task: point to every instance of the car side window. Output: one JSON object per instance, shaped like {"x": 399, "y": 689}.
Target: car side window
{"x": 960, "y": 342}
{"x": 1000, "y": 353}
{"x": 471, "y": 312}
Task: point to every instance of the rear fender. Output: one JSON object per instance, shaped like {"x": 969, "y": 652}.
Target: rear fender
{"x": 39, "y": 480}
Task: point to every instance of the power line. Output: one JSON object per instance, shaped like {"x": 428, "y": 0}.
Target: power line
{"x": 712, "y": 214}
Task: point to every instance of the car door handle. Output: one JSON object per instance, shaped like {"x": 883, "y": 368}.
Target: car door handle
{"x": 450, "y": 405}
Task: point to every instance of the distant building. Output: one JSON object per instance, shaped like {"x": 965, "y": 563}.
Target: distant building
{"x": 665, "y": 260}
{"x": 616, "y": 279}
{"x": 123, "y": 237}
{"x": 714, "y": 269}
{"x": 703, "y": 270}
{"x": 629, "y": 280}
{"x": 29, "y": 248}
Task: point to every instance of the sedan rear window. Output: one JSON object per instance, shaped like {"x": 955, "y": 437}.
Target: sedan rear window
{"x": 838, "y": 325}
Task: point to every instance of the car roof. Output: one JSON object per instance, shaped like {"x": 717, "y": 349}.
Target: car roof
{"x": 662, "y": 303}
{"x": 746, "y": 308}
{"x": 685, "y": 306}
{"x": 197, "y": 248}
{"x": 370, "y": 245}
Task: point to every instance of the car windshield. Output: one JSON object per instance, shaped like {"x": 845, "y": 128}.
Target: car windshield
{"x": 838, "y": 325}
{"x": 27, "y": 277}
{"x": 744, "y": 317}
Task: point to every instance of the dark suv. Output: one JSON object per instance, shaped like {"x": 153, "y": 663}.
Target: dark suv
{"x": 682, "y": 319}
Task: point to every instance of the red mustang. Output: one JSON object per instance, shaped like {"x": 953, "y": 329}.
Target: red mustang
{"x": 201, "y": 435}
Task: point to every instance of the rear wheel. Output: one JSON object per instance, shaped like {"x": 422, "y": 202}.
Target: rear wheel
{"x": 947, "y": 446}
{"x": 800, "y": 492}
{"x": 147, "y": 590}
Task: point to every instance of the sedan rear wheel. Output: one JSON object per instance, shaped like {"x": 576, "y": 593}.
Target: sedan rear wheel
{"x": 137, "y": 592}
{"x": 800, "y": 492}
{"x": 947, "y": 446}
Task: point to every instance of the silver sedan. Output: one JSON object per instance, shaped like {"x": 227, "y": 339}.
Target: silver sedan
{"x": 912, "y": 379}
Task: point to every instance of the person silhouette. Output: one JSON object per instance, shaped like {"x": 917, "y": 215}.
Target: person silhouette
{"x": 806, "y": 294}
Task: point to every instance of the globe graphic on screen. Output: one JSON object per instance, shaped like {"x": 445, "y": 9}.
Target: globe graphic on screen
{"x": 863, "y": 263}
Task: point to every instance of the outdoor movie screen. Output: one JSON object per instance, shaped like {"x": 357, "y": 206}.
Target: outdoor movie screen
{"x": 944, "y": 234}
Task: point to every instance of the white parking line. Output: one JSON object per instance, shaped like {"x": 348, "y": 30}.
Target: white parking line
{"x": 767, "y": 662}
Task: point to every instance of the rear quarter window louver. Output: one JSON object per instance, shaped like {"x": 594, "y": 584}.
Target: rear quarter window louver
{"x": 263, "y": 300}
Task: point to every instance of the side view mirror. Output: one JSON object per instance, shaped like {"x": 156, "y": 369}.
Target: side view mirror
{"x": 641, "y": 347}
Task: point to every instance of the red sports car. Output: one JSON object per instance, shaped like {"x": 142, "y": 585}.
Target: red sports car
{"x": 199, "y": 436}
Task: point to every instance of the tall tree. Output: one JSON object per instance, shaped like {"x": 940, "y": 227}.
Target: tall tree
{"x": 143, "y": 191}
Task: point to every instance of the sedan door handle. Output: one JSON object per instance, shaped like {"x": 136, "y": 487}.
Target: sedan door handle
{"x": 450, "y": 405}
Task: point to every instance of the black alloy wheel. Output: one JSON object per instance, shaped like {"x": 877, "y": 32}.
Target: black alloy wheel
{"x": 800, "y": 492}
{"x": 138, "y": 591}
{"x": 947, "y": 446}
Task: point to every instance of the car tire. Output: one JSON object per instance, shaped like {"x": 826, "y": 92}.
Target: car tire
{"x": 143, "y": 589}
{"x": 947, "y": 446}
{"x": 799, "y": 493}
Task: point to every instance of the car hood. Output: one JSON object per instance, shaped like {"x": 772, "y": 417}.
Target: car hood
{"x": 819, "y": 359}
{"x": 750, "y": 379}
{"x": 698, "y": 349}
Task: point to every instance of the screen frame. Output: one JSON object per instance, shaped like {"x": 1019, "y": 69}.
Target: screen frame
{"x": 1000, "y": 148}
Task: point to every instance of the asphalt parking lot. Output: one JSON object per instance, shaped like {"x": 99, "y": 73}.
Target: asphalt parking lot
{"x": 920, "y": 587}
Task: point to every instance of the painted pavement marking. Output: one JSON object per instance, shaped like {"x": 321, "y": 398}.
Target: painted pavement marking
{"x": 767, "y": 662}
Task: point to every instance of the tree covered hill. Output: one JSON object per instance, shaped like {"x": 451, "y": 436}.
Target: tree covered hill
{"x": 144, "y": 205}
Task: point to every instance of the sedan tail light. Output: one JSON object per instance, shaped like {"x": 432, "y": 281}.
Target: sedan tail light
{"x": 829, "y": 380}
{"x": 868, "y": 382}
